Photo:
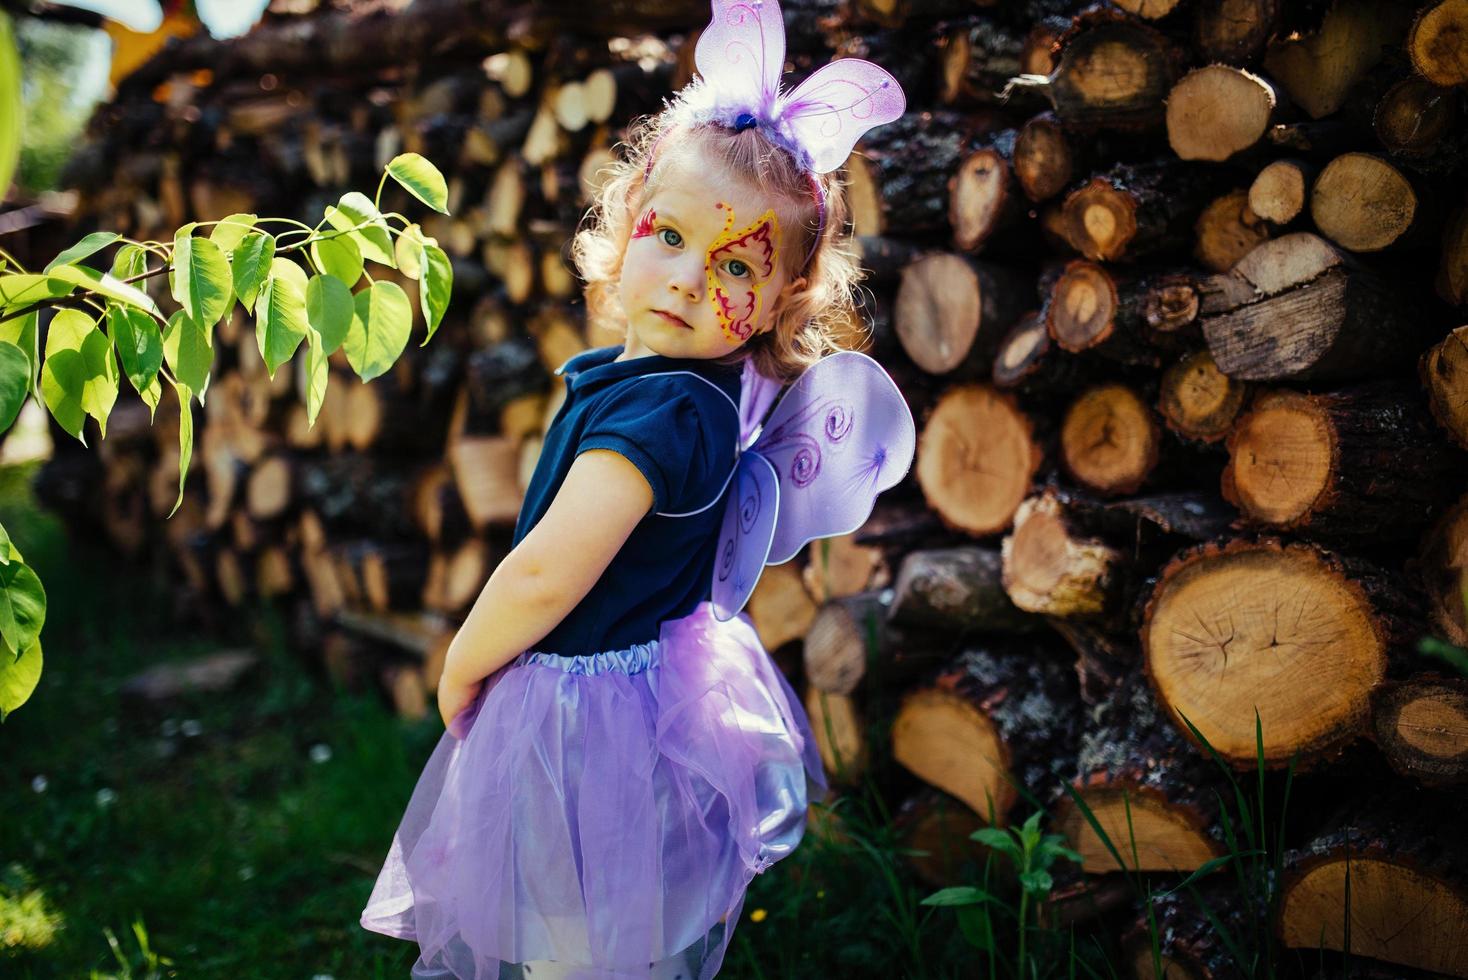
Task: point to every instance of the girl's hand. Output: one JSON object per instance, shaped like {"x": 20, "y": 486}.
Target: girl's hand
{"x": 455, "y": 697}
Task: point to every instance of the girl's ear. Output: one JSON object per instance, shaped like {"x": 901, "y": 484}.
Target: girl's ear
{"x": 790, "y": 289}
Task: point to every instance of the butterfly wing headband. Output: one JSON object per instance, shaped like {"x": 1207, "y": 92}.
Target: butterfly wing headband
{"x": 740, "y": 57}
{"x": 840, "y": 435}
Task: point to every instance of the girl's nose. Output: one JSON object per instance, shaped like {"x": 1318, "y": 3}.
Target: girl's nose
{"x": 688, "y": 278}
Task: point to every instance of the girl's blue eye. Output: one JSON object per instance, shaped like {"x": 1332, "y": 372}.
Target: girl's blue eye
{"x": 738, "y": 269}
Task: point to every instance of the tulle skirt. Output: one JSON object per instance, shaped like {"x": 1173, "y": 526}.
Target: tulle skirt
{"x": 603, "y": 813}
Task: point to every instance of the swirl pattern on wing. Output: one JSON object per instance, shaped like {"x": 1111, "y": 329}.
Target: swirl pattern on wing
{"x": 744, "y": 536}
{"x": 743, "y": 51}
{"x": 835, "y": 106}
{"x": 841, "y": 435}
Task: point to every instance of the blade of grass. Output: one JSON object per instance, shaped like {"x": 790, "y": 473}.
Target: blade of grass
{"x": 1228, "y": 773}
{"x": 1096, "y": 826}
{"x": 1223, "y": 932}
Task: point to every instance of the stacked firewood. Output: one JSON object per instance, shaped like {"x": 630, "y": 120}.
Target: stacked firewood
{"x": 1176, "y": 292}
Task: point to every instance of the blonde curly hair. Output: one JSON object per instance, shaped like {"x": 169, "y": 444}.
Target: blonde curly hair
{"x": 815, "y": 319}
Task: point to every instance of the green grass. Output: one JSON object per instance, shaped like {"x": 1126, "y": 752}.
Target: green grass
{"x": 235, "y": 853}
{"x": 219, "y": 848}
{"x": 230, "y": 853}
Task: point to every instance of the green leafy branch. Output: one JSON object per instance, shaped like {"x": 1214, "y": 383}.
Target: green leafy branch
{"x": 1032, "y": 853}
{"x": 298, "y": 283}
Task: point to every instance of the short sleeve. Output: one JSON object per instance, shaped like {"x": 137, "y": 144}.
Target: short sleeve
{"x": 656, "y": 425}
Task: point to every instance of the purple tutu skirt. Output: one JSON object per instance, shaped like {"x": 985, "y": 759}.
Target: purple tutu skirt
{"x": 604, "y": 814}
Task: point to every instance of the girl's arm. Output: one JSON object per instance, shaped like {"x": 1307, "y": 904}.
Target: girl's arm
{"x": 601, "y": 500}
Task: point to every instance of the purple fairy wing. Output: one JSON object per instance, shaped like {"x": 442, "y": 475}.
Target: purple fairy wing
{"x": 829, "y": 111}
{"x": 756, "y": 394}
{"x": 744, "y": 538}
{"x": 742, "y": 53}
{"x": 841, "y": 435}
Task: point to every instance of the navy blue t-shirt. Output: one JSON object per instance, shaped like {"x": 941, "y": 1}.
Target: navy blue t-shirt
{"x": 677, "y": 421}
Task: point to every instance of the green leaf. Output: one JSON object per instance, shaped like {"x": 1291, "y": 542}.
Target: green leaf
{"x": 7, "y": 547}
{"x": 15, "y": 382}
{"x": 435, "y": 287}
{"x": 185, "y": 439}
{"x": 358, "y": 216}
{"x": 131, "y": 260}
{"x": 318, "y": 374}
{"x": 190, "y": 352}
{"x": 338, "y": 256}
{"x": 975, "y": 926}
{"x": 1036, "y": 882}
{"x": 202, "y": 283}
{"x": 284, "y": 268}
{"x": 63, "y": 377}
{"x": 139, "y": 344}
{"x": 1053, "y": 851}
{"x": 960, "y": 895}
{"x": 23, "y": 289}
{"x": 151, "y": 396}
{"x": 280, "y": 321}
{"x": 21, "y": 332}
{"x": 251, "y": 264}
{"x": 231, "y": 230}
{"x": 329, "y": 310}
{"x": 421, "y": 179}
{"x": 94, "y": 242}
{"x": 18, "y": 678}
{"x": 999, "y": 839}
{"x": 22, "y": 608}
{"x": 407, "y": 249}
{"x": 11, "y": 106}
{"x": 79, "y": 375}
{"x": 379, "y": 332}
{"x": 108, "y": 286}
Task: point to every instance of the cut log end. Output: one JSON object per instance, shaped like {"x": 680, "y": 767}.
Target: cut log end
{"x": 1413, "y": 117}
{"x": 837, "y": 725}
{"x": 1043, "y": 160}
{"x": 1399, "y": 913}
{"x": 1167, "y": 837}
{"x": 1438, "y": 42}
{"x": 1443, "y": 568}
{"x": 948, "y": 742}
{"x": 1362, "y": 202}
{"x": 1021, "y": 350}
{"x": 1100, "y": 221}
{"x": 1422, "y": 728}
{"x": 1049, "y": 570}
{"x": 1109, "y": 440}
{"x": 976, "y": 458}
{"x": 980, "y": 196}
{"x": 1278, "y": 192}
{"x": 1262, "y": 627}
{"x": 1281, "y": 459}
{"x": 1199, "y": 401}
{"x": 1083, "y": 306}
{"x": 1444, "y": 373}
{"x": 938, "y": 311}
{"x": 1216, "y": 111}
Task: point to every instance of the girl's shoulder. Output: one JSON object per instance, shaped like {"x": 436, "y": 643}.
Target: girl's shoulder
{"x": 712, "y": 393}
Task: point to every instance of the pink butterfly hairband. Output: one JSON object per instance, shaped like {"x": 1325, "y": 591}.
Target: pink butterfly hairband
{"x": 740, "y": 57}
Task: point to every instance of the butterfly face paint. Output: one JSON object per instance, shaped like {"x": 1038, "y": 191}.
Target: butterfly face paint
{"x": 644, "y": 224}
{"x": 756, "y": 245}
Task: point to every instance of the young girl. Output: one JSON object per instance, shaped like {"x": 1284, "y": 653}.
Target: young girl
{"x": 622, "y": 756}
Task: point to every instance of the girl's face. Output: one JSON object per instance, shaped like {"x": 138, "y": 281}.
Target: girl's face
{"x": 703, "y": 269}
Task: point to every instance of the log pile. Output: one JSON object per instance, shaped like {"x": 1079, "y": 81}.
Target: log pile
{"x": 1177, "y": 293}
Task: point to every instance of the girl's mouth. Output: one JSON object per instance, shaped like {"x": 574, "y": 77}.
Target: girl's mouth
{"x": 677, "y": 321}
